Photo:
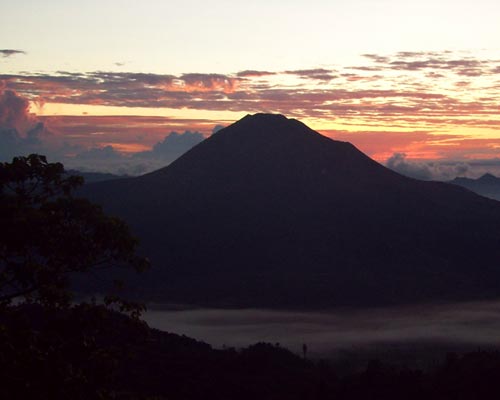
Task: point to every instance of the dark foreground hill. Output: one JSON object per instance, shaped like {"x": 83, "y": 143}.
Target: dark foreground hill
{"x": 89, "y": 353}
{"x": 268, "y": 212}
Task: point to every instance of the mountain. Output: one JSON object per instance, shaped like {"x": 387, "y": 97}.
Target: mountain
{"x": 487, "y": 185}
{"x": 91, "y": 177}
{"x": 268, "y": 212}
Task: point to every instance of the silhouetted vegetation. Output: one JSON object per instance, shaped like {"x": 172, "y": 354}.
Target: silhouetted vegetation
{"x": 47, "y": 234}
{"x": 51, "y": 347}
{"x": 174, "y": 367}
{"x": 91, "y": 352}
{"x": 70, "y": 353}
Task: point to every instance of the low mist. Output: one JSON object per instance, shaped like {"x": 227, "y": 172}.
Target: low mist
{"x": 474, "y": 323}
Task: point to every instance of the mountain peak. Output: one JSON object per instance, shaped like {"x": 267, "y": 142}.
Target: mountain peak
{"x": 268, "y": 212}
{"x": 267, "y": 122}
{"x": 264, "y": 129}
{"x": 487, "y": 177}
{"x": 264, "y": 118}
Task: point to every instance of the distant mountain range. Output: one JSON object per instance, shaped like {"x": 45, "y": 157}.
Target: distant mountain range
{"x": 487, "y": 185}
{"x": 268, "y": 212}
{"x": 91, "y": 177}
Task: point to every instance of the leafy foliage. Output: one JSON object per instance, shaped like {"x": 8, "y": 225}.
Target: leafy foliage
{"x": 47, "y": 234}
{"x": 50, "y": 346}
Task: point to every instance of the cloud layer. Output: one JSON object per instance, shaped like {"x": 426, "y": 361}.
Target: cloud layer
{"x": 442, "y": 170}
{"x": 428, "y": 105}
{"x": 22, "y": 133}
{"x": 417, "y": 88}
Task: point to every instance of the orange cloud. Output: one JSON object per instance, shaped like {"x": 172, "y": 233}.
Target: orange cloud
{"x": 123, "y": 132}
{"x": 127, "y": 147}
{"x": 425, "y": 104}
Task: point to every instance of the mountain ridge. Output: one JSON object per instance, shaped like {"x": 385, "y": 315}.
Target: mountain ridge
{"x": 268, "y": 212}
{"x": 486, "y": 185}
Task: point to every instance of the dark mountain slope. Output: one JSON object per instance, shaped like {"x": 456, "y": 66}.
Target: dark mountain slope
{"x": 268, "y": 212}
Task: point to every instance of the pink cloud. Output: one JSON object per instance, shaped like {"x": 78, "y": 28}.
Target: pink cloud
{"x": 420, "y": 92}
{"x": 14, "y": 110}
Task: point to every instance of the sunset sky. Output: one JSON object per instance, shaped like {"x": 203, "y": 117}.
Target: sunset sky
{"x": 101, "y": 85}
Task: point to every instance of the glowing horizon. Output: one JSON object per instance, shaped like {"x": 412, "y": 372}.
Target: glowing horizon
{"x": 120, "y": 76}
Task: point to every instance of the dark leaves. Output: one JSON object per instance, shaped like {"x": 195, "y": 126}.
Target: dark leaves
{"x": 47, "y": 234}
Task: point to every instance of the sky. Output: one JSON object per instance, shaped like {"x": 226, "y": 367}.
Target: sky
{"x": 127, "y": 86}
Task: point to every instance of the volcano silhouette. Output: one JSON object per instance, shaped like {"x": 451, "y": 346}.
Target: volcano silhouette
{"x": 268, "y": 212}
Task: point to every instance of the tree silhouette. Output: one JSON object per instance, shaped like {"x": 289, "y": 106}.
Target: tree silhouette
{"x": 51, "y": 347}
{"x": 47, "y": 234}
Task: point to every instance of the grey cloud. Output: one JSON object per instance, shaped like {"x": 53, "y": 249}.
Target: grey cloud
{"x": 431, "y": 170}
{"x": 9, "y": 143}
{"x": 404, "y": 99}
{"x": 366, "y": 68}
{"x": 10, "y": 52}
{"x": 413, "y": 54}
{"x": 462, "y": 67}
{"x": 102, "y": 153}
{"x": 209, "y": 81}
{"x": 377, "y": 58}
{"x": 433, "y": 74}
{"x": 13, "y": 110}
{"x": 217, "y": 128}
{"x": 13, "y": 144}
{"x": 172, "y": 146}
{"x": 317, "y": 73}
{"x": 253, "y": 73}
{"x": 428, "y": 61}
{"x": 20, "y": 132}
{"x": 108, "y": 159}
{"x": 398, "y": 163}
